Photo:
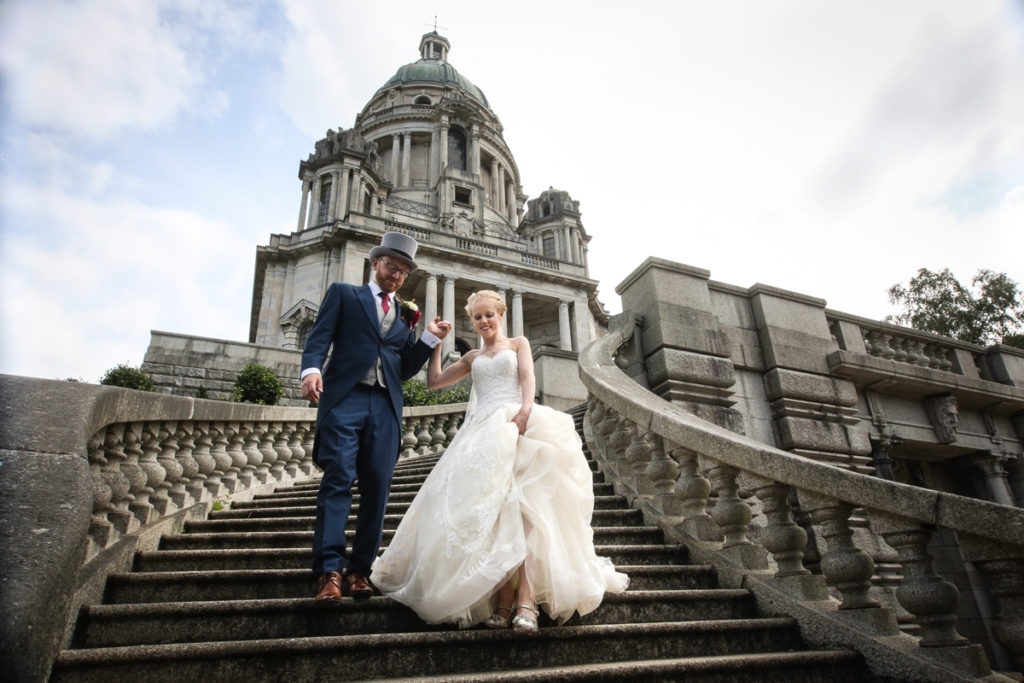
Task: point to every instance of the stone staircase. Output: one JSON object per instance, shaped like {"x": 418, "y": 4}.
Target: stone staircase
{"x": 230, "y": 598}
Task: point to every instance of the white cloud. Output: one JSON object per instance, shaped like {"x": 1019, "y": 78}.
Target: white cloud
{"x": 93, "y": 69}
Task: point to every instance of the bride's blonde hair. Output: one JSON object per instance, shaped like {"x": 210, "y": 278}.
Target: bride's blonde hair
{"x": 499, "y": 303}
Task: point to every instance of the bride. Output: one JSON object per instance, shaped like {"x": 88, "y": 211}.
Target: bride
{"x": 502, "y": 523}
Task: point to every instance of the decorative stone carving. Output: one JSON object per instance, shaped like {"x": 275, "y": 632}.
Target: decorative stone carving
{"x": 944, "y": 415}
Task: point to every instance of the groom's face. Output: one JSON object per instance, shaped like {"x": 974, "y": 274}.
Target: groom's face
{"x": 389, "y": 272}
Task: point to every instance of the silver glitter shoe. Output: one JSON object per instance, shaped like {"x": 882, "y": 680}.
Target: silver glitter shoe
{"x": 498, "y": 621}
{"x": 524, "y": 622}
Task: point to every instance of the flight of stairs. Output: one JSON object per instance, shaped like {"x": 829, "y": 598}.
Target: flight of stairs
{"x": 230, "y": 599}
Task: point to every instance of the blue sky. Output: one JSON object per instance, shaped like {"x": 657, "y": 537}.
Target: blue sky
{"x": 830, "y": 148}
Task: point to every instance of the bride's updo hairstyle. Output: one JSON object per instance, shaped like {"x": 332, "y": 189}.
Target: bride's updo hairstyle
{"x": 494, "y": 297}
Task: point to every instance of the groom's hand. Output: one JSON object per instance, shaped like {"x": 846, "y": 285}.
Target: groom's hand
{"x": 439, "y": 328}
{"x": 312, "y": 387}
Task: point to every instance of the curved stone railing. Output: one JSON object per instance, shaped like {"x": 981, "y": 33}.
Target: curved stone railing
{"x": 91, "y": 474}
{"x": 676, "y": 466}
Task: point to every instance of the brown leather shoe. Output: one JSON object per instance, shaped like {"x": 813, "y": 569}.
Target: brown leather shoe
{"x": 328, "y": 588}
{"x": 358, "y": 586}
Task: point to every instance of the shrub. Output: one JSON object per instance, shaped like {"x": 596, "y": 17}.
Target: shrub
{"x": 416, "y": 393}
{"x": 128, "y": 377}
{"x": 257, "y": 384}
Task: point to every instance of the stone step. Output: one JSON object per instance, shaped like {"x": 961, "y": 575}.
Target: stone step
{"x": 285, "y": 538}
{"x": 300, "y": 556}
{"x": 615, "y": 517}
{"x": 227, "y": 584}
{"x": 263, "y": 618}
{"x": 309, "y": 491}
{"x": 810, "y": 666}
{"x": 425, "y": 653}
{"x": 307, "y": 505}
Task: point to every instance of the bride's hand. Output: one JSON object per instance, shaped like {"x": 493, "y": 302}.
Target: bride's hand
{"x": 520, "y": 421}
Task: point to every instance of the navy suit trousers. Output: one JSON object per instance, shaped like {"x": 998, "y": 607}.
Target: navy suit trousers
{"x": 359, "y": 440}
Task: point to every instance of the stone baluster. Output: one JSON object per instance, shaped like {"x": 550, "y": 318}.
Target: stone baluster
{"x": 409, "y": 438}
{"x": 101, "y": 531}
{"x": 782, "y": 537}
{"x": 149, "y": 448}
{"x": 238, "y": 478}
{"x": 192, "y": 485}
{"x": 284, "y": 453}
{"x": 888, "y": 346}
{"x": 732, "y": 514}
{"x": 266, "y": 433}
{"x": 120, "y": 486}
{"x": 308, "y": 436}
{"x": 873, "y": 341}
{"x": 692, "y": 490}
{"x": 216, "y": 483}
{"x": 423, "y": 437}
{"x": 170, "y": 494}
{"x": 638, "y": 455}
{"x": 1003, "y": 568}
{"x": 202, "y": 456}
{"x": 618, "y": 439}
{"x": 846, "y": 567}
{"x": 453, "y": 423}
{"x": 662, "y": 472}
{"x": 253, "y": 456}
{"x": 295, "y": 433}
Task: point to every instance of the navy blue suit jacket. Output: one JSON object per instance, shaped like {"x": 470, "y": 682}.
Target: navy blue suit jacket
{"x": 347, "y": 319}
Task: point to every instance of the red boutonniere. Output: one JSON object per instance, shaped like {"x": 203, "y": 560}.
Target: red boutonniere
{"x": 410, "y": 312}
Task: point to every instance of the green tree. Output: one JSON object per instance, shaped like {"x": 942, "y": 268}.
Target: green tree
{"x": 257, "y": 384}
{"x": 126, "y": 376}
{"x": 990, "y": 311}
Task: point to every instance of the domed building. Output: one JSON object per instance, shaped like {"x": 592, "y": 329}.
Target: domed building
{"x": 426, "y": 157}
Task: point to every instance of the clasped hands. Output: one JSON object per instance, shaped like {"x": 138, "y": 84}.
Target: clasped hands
{"x": 313, "y": 383}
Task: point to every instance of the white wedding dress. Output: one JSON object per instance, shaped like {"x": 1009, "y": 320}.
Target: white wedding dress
{"x": 494, "y": 500}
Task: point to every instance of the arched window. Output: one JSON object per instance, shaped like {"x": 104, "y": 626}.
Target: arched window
{"x": 457, "y": 149}
{"x": 325, "y": 201}
{"x": 422, "y": 99}
{"x": 304, "y": 331}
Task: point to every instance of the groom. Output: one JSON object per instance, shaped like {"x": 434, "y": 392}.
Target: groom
{"x": 359, "y": 418}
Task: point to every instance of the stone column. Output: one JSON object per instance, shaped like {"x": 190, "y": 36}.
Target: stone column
{"x": 989, "y": 471}
{"x": 396, "y": 155}
{"x": 448, "y": 343}
{"x": 343, "y": 193}
{"x": 443, "y": 147}
{"x": 362, "y": 193}
{"x": 510, "y": 201}
{"x": 501, "y": 190}
{"x": 474, "y": 150}
{"x": 430, "y": 305}
{"x": 517, "y": 314}
{"x": 333, "y": 206}
{"x": 567, "y": 244}
{"x": 494, "y": 182}
{"x": 406, "y": 158}
{"x": 504, "y": 318}
{"x": 564, "y": 333}
{"x": 355, "y": 184}
{"x": 302, "y": 207}
{"x": 574, "y": 238}
{"x": 314, "y": 204}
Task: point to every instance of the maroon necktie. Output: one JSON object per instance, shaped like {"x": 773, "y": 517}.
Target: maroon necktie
{"x": 385, "y": 302}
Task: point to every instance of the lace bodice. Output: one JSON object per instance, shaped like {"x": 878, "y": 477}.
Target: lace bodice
{"x": 496, "y": 381}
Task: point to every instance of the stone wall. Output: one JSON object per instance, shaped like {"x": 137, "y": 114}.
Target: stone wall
{"x": 182, "y": 364}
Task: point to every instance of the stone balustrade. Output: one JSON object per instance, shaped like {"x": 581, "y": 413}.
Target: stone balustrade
{"x": 731, "y": 499}
{"x": 89, "y": 475}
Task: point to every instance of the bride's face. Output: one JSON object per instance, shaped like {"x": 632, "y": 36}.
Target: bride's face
{"x": 486, "y": 319}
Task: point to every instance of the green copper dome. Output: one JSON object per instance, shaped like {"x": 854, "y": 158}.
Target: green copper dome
{"x": 435, "y": 72}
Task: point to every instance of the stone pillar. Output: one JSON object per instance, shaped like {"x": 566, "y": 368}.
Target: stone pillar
{"x": 333, "y": 206}
{"x": 494, "y": 182}
{"x": 406, "y": 158}
{"x": 355, "y": 184}
{"x": 302, "y": 207}
{"x": 501, "y": 190}
{"x": 343, "y": 192}
{"x": 990, "y": 473}
{"x": 564, "y": 334}
{"x": 510, "y": 201}
{"x": 474, "y": 150}
{"x": 314, "y": 204}
{"x": 443, "y": 146}
{"x": 574, "y": 241}
{"x": 396, "y": 155}
{"x": 430, "y": 305}
{"x": 362, "y": 193}
{"x": 517, "y": 314}
{"x": 566, "y": 243}
{"x": 448, "y": 343}
{"x": 504, "y": 318}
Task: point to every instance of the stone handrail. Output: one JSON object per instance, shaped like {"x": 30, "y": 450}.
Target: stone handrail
{"x": 674, "y": 465}
{"x": 91, "y": 474}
